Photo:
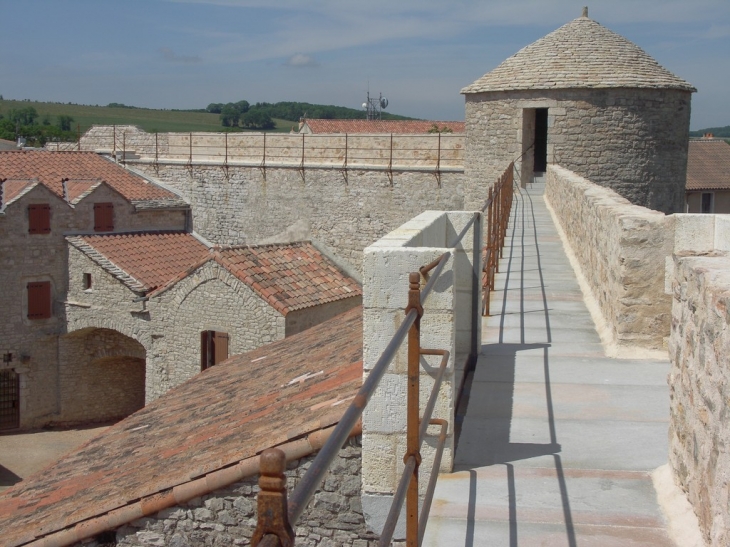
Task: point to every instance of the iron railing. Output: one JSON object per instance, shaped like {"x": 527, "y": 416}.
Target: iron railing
{"x": 497, "y": 208}
{"x": 276, "y": 516}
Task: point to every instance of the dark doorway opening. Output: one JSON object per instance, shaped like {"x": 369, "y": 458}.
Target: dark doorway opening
{"x": 9, "y": 400}
{"x": 541, "y": 130}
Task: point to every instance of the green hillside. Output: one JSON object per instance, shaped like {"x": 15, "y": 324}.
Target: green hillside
{"x": 723, "y": 132}
{"x": 84, "y": 116}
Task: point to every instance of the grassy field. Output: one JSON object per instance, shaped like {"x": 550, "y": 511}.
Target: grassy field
{"x": 148, "y": 119}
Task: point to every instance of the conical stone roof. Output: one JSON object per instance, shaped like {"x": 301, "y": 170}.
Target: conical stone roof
{"x": 580, "y": 54}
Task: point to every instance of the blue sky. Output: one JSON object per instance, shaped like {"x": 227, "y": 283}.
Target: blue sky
{"x": 418, "y": 53}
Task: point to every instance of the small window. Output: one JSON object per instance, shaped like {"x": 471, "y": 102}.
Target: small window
{"x": 39, "y": 219}
{"x": 103, "y": 217}
{"x": 39, "y": 300}
{"x": 213, "y": 348}
{"x": 87, "y": 281}
{"x": 707, "y": 202}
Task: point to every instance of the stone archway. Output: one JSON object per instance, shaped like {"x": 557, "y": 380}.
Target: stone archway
{"x": 102, "y": 375}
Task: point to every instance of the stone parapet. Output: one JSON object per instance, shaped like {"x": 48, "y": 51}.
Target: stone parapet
{"x": 699, "y": 347}
{"x": 386, "y": 266}
{"x": 620, "y": 249}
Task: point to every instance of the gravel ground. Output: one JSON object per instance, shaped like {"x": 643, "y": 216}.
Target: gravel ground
{"x": 23, "y": 454}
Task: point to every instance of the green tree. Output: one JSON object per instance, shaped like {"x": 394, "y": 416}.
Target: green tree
{"x": 230, "y": 115}
{"x": 257, "y": 119}
{"x": 214, "y": 108}
{"x": 23, "y": 116}
{"x": 63, "y": 122}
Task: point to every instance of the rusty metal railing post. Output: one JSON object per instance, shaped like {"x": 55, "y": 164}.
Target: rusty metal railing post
{"x": 273, "y": 516}
{"x": 413, "y": 444}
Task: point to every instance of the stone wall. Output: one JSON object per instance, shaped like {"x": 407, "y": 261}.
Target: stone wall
{"x": 228, "y": 516}
{"x": 633, "y": 141}
{"x": 621, "y": 250}
{"x": 243, "y": 205}
{"x": 451, "y": 322}
{"x": 699, "y": 433}
{"x": 299, "y": 320}
{"x": 102, "y": 376}
{"x": 359, "y": 151}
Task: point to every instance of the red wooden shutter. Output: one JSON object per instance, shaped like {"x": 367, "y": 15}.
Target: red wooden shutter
{"x": 39, "y": 300}
{"x": 213, "y": 348}
{"x": 220, "y": 347}
{"x": 103, "y": 217}
{"x": 39, "y": 219}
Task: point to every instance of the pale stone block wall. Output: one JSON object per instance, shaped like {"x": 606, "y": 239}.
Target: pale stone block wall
{"x": 699, "y": 412}
{"x": 621, "y": 250}
{"x": 386, "y": 267}
{"x": 424, "y": 151}
{"x": 243, "y": 205}
{"x": 631, "y": 140}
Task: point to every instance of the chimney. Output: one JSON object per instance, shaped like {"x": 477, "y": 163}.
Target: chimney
{"x": 585, "y": 11}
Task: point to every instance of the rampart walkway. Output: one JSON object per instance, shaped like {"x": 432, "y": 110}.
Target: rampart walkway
{"x": 557, "y": 440}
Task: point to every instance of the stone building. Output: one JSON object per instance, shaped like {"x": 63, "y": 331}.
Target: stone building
{"x": 45, "y": 196}
{"x": 109, "y": 300}
{"x": 589, "y": 100}
{"x": 319, "y": 126}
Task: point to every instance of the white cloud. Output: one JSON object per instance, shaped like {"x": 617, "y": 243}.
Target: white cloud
{"x": 299, "y": 60}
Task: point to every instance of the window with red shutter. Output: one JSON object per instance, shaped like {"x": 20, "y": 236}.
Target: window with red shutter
{"x": 103, "y": 217}
{"x": 39, "y": 300}
{"x": 39, "y": 218}
{"x": 213, "y": 348}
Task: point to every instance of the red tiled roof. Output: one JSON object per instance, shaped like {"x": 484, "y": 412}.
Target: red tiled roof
{"x": 77, "y": 188}
{"x": 289, "y": 276}
{"x": 230, "y": 412}
{"x": 143, "y": 260}
{"x": 13, "y": 188}
{"x": 708, "y": 165}
{"x": 51, "y": 167}
{"x": 381, "y": 126}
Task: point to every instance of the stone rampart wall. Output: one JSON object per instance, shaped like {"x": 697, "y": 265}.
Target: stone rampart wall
{"x": 699, "y": 433}
{"x": 424, "y": 151}
{"x": 247, "y": 205}
{"x": 228, "y": 516}
{"x": 621, "y": 250}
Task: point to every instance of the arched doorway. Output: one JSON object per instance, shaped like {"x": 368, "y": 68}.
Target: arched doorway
{"x": 102, "y": 375}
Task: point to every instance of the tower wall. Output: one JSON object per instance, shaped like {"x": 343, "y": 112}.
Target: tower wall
{"x": 633, "y": 141}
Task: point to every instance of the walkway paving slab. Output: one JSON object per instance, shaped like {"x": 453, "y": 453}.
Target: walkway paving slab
{"x": 555, "y": 439}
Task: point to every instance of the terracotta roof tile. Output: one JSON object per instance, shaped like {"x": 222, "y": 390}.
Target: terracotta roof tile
{"x": 11, "y": 189}
{"x": 380, "y": 126}
{"x": 708, "y": 165}
{"x": 580, "y": 54}
{"x": 50, "y": 168}
{"x": 143, "y": 260}
{"x": 230, "y": 412}
{"x": 289, "y": 276}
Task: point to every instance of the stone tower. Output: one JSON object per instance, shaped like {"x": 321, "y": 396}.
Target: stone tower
{"x": 587, "y": 99}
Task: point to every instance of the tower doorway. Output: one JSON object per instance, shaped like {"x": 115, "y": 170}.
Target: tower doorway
{"x": 540, "y": 140}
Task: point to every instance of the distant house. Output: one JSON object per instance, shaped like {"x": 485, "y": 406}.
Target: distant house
{"x": 317, "y": 126}
{"x": 708, "y": 176}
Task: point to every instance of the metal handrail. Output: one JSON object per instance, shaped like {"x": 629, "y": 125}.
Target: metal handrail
{"x": 276, "y": 516}
{"x": 497, "y": 207}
